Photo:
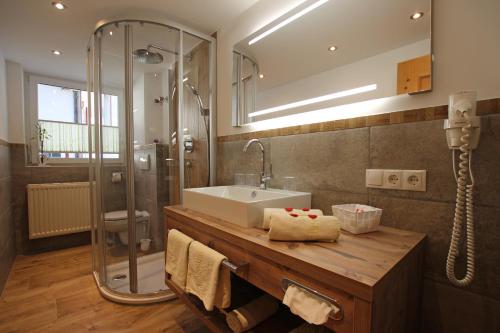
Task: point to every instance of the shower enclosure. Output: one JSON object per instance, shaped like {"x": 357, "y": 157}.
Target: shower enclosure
{"x": 151, "y": 117}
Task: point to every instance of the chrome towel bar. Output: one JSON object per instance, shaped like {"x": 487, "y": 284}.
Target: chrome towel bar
{"x": 337, "y": 310}
{"x": 233, "y": 267}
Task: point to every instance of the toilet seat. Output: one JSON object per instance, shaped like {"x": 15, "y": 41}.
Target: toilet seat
{"x": 117, "y": 221}
{"x": 120, "y": 215}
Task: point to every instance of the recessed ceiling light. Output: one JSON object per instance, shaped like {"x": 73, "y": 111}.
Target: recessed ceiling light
{"x": 261, "y": 76}
{"x": 417, "y": 15}
{"x": 59, "y": 5}
{"x": 56, "y": 52}
{"x": 332, "y": 48}
{"x": 111, "y": 33}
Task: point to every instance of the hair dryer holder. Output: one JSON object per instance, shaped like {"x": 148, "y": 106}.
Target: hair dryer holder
{"x": 454, "y": 133}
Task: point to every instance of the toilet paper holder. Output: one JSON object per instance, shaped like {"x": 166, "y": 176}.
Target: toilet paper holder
{"x": 337, "y": 310}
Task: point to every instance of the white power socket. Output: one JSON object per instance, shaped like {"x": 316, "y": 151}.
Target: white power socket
{"x": 408, "y": 180}
{"x": 392, "y": 179}
{"x": 414, "y": 180}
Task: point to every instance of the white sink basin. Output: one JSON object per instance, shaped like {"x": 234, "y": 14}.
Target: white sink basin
{"x": 242, "y": 205}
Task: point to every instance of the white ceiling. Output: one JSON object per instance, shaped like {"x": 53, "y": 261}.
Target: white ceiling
{"x": 30, "y": 29}
{"x": 359, "y": 28}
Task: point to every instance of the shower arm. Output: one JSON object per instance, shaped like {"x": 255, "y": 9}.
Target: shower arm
{"x": 154, "y": 46}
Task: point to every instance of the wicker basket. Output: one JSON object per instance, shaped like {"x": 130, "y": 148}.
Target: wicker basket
{"x": 357, "y": 219}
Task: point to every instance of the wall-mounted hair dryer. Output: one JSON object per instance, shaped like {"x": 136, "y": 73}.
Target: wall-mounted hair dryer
{"x": 462, "y": 133}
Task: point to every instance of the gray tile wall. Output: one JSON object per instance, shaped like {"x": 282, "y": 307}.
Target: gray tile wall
{"x": 331, "y": 165}
{"x": 152, "y": 189}
{"x": 22, "y": 175}
{"x": 7, "y": 239}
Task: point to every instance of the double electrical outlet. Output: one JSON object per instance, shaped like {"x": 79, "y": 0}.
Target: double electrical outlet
{"x": 407, "y": 180}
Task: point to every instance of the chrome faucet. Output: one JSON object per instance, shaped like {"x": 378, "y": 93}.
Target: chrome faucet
{"x": 263, "y": 177}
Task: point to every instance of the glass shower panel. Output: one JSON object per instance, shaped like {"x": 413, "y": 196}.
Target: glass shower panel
{"x": 92, "y": 162}
{"x": 196, "y": 111}
{"x": 155, "y": 52}
{"x": 112, "y": 153}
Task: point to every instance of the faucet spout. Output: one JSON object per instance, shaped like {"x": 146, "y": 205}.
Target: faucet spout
{"x": 263, "y": 177}
{"x": 256, "y": 141}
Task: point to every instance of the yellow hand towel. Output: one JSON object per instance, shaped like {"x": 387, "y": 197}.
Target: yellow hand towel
{"x": 270, "y": 212}
{"x": 252, "y": 314}
{"x": 307, "y": 306}
{"x": 304, "y": 228}
{"x": 177, "y": 257}
{"x": 206, "y": 279}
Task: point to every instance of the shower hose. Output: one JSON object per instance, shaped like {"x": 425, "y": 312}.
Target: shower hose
{"x": 464, "y": 205}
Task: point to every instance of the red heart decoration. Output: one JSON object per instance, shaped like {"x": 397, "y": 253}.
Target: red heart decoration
{"x": 294, "y": 215}
{"x": 312, "y": 216}
{"x": 306, "y": 209}
{"x": 288, "y": 209}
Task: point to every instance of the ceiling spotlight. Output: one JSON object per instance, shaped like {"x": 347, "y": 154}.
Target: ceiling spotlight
{"x": 111, "y": 33}
{"x": 56, "y": 52}
{"x": 59, "y": 5}
{"x": 417, "y": 15}
{"x": 332, "y": 48}
{"x": 261, "y": 76}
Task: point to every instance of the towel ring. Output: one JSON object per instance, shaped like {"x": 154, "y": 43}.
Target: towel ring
{"x": 337, "y": 312}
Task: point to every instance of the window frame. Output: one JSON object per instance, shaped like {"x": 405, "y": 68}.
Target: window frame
{"x": 33, "y": 80}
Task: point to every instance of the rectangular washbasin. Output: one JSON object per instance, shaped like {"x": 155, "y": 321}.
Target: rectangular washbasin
{"x": 242, "y": 205}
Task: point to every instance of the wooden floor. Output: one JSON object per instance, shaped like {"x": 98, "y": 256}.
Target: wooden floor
{"x": 55, "y": 292}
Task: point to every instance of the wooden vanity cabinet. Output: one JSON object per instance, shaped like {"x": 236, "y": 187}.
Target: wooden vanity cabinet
{"x": 414, "y": 75}
{"x": 375, "y": 277}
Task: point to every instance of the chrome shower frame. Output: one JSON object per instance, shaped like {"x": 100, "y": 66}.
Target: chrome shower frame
{"x": 94, "y": 63}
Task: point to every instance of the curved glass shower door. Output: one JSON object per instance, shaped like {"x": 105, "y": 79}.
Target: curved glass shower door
{"x": 137, "y": 167}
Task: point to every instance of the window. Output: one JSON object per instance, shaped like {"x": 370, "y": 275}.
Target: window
{"x": 61, "y": 110}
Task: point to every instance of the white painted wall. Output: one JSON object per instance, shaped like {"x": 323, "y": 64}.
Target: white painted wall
{"x": 154, "y": 112}
{"x": 466, "y": 51}
{"x": 15, "y": 101}
{"x": 150, "y": 118}
{"x": 138, "y": 109}
{"x": 4, "y": 117}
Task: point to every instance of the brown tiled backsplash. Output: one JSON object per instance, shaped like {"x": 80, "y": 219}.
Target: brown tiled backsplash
{"x": 484, "y": 107}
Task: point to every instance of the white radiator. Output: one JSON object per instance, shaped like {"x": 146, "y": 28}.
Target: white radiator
{"x": 58, "y": 209}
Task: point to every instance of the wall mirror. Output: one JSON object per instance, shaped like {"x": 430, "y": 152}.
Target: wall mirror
{"x": 328, "y": 53}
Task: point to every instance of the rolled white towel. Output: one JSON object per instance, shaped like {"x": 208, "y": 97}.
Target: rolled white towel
{"x": 269, "y": 212}
{"x": 294, "y": 227}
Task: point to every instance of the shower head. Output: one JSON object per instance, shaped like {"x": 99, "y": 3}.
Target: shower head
{"x": 145, "y": 56}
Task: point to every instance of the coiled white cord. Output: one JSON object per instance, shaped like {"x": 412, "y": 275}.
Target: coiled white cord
{"x": 464, "y": 203}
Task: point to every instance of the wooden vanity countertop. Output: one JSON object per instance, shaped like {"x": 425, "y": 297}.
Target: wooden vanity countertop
{"x": 355, "y": 263}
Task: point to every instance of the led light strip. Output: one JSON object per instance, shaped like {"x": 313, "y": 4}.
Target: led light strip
{"x": 287, "y": 21}
{"x": 314, "y": 100}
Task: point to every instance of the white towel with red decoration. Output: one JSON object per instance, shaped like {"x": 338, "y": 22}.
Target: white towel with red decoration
{"x": 269, "y": 212}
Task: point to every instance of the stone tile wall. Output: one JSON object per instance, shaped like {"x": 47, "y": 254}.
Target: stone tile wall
{"x": 331, "y": 165}
{"x": 152, "y": 189}
{"x": 7, "y": 239}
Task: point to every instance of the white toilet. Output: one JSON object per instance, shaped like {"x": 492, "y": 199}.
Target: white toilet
{"x": 117, "y": 222}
